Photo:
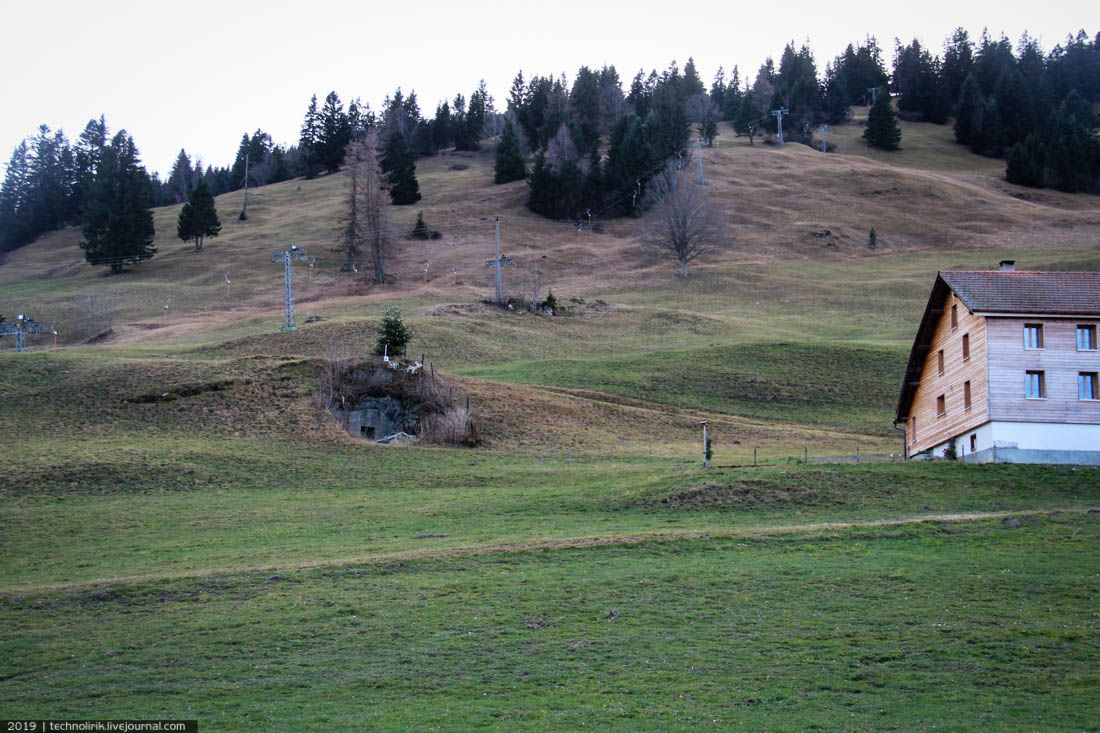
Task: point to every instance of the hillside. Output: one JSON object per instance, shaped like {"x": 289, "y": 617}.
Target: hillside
{"x": 189, "y": 534}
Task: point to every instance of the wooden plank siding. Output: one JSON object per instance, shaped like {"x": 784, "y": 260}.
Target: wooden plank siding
{"x": 1059, "y": 359}
{"x": 931, "y": 428}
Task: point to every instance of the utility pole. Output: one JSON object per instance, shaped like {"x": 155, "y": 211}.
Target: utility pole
{"x": 286, "y": 257}
{"x": 699, "y": 161}
{"x": 497, "y": 263}
{"x": 499, "y": 278}
{"x": 824, "y": 138}
{"x": 706, "y": 445}
{"x": 778, "y": 115}
{"x": 23, "y": 325}
{"x": 244, "y": 208}
{"x": 873, "y": 91}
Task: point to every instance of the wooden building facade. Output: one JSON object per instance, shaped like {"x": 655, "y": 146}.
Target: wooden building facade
{"x": 1005, "y": 367}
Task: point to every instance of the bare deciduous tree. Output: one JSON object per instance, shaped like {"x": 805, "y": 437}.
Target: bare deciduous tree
{"x": 705, "y": 113}
{"x": 351, "y": 235}
{"x": 365, "y": 217}
{"x": 684, "y": 225}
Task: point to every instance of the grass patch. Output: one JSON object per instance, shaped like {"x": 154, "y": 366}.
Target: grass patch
{"x": 967, "y": 627}
{"x": 847, "y": 386}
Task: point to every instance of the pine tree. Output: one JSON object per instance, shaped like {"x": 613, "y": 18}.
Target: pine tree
{"x": 198, "y": 218}
{"x": 399, "y": 167}
{"x": 882, "y": 125}
{"x": 14, "y": 197}
{"x": 510, "y": 165}
{"x": 117, "y": 222}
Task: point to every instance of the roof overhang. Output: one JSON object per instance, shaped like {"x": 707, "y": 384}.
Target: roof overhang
{"x": 921, "y": 345}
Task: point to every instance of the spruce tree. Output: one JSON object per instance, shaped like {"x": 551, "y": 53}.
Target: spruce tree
{"x": 882, "y": 125}
{"x": 309, "y": 139}
{"x": 393, "y": 334}
{"x": 334, "y": 134}
{"x": 117, "y": 222}
{"x": 399, "y": 167}
{"x": 1026, "y": 162}
{"x": 198, "y": 218}
{"x": 510, "y": 165}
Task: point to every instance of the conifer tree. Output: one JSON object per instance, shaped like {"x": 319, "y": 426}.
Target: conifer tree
{"x": 882, "y": 125}
{"x": 393, "y": 334}
{"x": 117, "y": 222}
{"x": 309, "y": 139}
{"x": 968, "y": 109}
{"x": 198, "y": 218}
{"x": 399, "y": 166}
{"x": 1026, "y": 163}
{"x": 334, "y": 134}
{"x": 510, "y": 165}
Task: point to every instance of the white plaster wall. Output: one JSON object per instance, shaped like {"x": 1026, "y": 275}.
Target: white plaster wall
{"x": 962, "y": 442}
{"x": 1043, "y": 436}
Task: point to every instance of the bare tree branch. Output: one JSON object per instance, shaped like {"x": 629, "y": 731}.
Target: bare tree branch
{"x": 684, "y": 225}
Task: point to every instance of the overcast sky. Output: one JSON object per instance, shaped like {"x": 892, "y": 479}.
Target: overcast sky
{"x": 198, "y": 74}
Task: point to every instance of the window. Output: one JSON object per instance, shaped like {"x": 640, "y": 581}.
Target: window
{"x": 1033, "y": 336}
{"x": 1086, "y": 338}
{"x": 913, "y": 429}
{"x": 966, "y": 346}
{"x": 939, "y": 361}
{"x": 966, "y": 395}
{"x": 941, "y": 405}
{"x": 1035, "y": 387}
{"x": 973, "y": 442}
{"x": 1087, "y": 386}
{"x": 954, "y": 316}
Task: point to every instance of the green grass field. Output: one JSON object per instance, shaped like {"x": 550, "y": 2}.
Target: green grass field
{"x": 188, "y": 535}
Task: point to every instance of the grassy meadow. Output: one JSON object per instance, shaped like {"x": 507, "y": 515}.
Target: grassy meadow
{"x": 188, "y": 535}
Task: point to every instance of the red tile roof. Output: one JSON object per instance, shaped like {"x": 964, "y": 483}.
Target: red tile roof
{"x": 998, "y": 291}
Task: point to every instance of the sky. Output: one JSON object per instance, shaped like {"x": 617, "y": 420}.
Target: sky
{"x": 199, "y": 74}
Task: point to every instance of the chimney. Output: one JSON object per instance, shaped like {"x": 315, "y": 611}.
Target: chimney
{"x": 1008, "y": 265}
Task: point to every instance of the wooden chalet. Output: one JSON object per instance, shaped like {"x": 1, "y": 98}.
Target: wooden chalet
{"x": 1005, "y": 368}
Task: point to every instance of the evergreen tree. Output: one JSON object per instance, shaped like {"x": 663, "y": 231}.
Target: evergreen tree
{"x": 510, "y": 165}
{"x": 309, "y": 139}
{"x": 181, "y": 178}
{"x": 691, "y": 83}
{"x": 442, "y": 127}
{"x": 584, "y": 109}
{"x": 882, "y": 125}
{"x": 393, "y": 334}
{"x": 198, "y": 218}
{"x": 1072, "y": 151}
{"x": 958, "y": 62}
{"x": 15, "y": 229}
{"x": 116, "y": 221}
{"x": 968, "y": 109}
{"x": 334, "y": 134}
{"x": 399, "y": 167}
{"x": 1026, "y": 163}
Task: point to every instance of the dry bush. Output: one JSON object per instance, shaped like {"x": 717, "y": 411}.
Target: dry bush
{"x": 453, "y": 426}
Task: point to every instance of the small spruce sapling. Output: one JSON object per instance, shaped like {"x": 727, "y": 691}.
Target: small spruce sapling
{"x": 393, "y": 334}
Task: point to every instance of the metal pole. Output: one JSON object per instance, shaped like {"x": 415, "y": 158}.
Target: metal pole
{"x": 20, "y": 344}
{"x": 706, "y": 447}
{"x": 288, "y": 294}
{"x": 699, "y": 161}
{"x": 244, "y": 207}
{"x": 499, "y": 277}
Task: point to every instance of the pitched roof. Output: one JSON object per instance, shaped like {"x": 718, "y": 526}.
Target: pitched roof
{"x": 997, "y": 291}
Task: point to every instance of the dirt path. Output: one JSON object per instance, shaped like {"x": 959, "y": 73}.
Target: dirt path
{"x": 538, "y": 545}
